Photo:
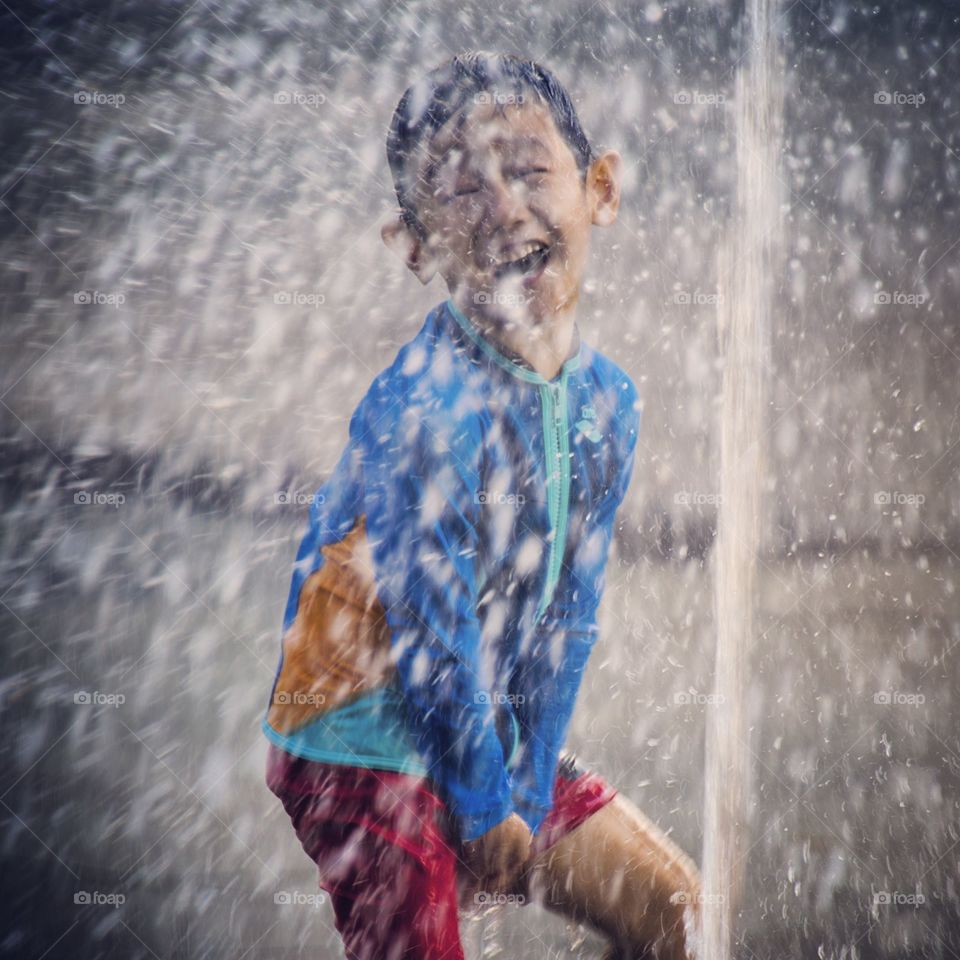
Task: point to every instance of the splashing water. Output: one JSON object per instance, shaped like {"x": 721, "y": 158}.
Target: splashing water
{"x": 747, "y": 268}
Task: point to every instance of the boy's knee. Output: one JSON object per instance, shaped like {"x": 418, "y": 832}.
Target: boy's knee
{"x": 684, "y": 883}
{"x": 663, "y": 922}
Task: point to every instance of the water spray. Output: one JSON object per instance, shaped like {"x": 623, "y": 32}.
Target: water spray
{"x": 747, "y": 271}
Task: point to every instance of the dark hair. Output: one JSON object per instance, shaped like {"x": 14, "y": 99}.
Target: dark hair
{"x": 428, "y": 104}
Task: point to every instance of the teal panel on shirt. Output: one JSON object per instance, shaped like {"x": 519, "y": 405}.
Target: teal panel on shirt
{"x": 367, "y": 732}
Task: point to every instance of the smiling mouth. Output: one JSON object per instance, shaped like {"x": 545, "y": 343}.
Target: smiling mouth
{"x": 529, "y": 263}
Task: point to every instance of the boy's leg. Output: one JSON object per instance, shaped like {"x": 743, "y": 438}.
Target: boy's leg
{"x": 381, "y": 854}
{"x": 390, "y": 907}
{"x": 619, "y": 873}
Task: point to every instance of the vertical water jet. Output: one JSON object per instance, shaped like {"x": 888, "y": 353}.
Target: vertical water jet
{"x": 748, "y": 267}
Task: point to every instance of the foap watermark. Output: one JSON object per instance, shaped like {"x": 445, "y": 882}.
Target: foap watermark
{"x": 698, "y": 98}
{"x": 299, "y": 298}
{"x": 97, "y": 898}
{"x": 502, "y": 299}
{"x": 899, "y": 298}
{"x": 894, "y": 98}
{"x": 299, "y": 698}
{"x": 495, "y": 498}
{"x": 98, "y": 498}
{"x": 497, "y": 98}
{"x": 899, "y": 698}
{"x": 297, "y": 498}
{"x": 683, "y": 896}
{"x": 485, "y": 696}
{"x": 685, "y": 698}
{"x": 296, "y": 898}
{"x": 96, "y": 98}
{"x": 697, "y": 298}
{"x": 897, "y": 498}
{"x": 893, "y": 898}
{"x": 98, "y": 699}
{"x": 99, "y": 298}
{"x": 299, "y": 98}
{"x": 487, "y": 898}
{"x": 697, "y": 498}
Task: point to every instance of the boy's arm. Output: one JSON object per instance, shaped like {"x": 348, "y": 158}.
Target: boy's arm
{"x": 549, "y": 677}
{"x": 419, "y": 498}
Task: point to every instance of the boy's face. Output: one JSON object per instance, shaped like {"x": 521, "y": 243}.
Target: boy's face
{"x": 507, "y": 212}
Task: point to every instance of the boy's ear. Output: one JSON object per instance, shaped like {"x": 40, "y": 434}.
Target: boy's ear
{"x": 603, "y": 187}
{"x": 409, "y": 247}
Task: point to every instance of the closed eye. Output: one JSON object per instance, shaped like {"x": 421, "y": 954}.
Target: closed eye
{"x": 462, "y": 192}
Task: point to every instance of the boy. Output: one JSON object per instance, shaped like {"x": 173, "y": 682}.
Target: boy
{"x": 444, "y": 598}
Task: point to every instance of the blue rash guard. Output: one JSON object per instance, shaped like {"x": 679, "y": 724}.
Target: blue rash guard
{"x": 484, "y": 497}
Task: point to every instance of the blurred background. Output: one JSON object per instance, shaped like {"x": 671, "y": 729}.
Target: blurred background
{"x": 195, "y": 297}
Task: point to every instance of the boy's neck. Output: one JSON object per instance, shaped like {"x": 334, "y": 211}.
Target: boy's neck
{"x": 546, "y": 352}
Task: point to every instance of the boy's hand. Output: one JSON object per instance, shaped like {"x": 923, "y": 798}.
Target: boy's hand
{"x": 497, "y": 858}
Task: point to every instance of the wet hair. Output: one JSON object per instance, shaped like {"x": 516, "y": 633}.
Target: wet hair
{"x": 429, "y": 103}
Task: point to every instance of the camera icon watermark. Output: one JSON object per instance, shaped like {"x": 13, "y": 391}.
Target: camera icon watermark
{"x": 97, "y": 498}
{"x": 486, "y": 696}
{"x": 95, "y": 898}
{"x": 296, "y": 898}
{"x": 98, "y": 298}
{"x": 98, "y": 699}
{"x": 897, "y": 698}
{"x": 684, "y": 896}
{"x": 299, "y": 698}
{"x": 697, "y": 498}
{"x": 895, "y": 98}
{"x": 297, "y": 498}
{"x": 697, "y": 98}
{"x": 485, "y": 898}
{"x": 697, "y": 298}
{"x": 497, "y": 98}
{"x": 502, "y": 299}
{"x": 299, "y": 98}
{"x": 299, "y": 298}
{"x": 95, "y": 98}
{"x": 893, "y": 898}
{"x": 899, "y": 298}
{"x": 685, "y": 698}
{"x": 897, "y": 498}
{"x": 489, "y": 498}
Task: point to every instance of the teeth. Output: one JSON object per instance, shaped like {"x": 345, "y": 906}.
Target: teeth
{"x": 521, "y": 252}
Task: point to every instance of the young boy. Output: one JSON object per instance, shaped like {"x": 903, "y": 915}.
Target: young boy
{"x": 444, "y": 598}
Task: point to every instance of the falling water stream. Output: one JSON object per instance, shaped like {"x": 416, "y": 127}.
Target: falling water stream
{"x": 748, "y": 263}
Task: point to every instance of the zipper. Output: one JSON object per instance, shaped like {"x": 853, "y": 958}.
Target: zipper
{"x": 556, "y": 445}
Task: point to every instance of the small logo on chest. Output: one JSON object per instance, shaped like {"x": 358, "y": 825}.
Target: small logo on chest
{"x": 587, "y": 424}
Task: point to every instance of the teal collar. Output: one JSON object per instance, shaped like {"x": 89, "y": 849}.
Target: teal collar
{"x": 512, "y": 362}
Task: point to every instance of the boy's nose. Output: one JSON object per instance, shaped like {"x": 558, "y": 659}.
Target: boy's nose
{"x": 506, "y": 205}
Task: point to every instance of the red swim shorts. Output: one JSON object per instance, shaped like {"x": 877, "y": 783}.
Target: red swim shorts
{"x": 385, "y": 852}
